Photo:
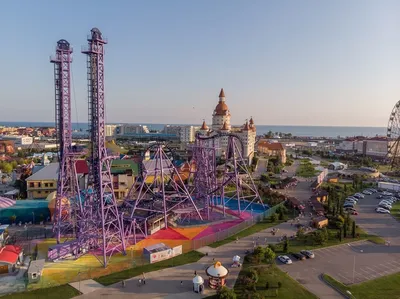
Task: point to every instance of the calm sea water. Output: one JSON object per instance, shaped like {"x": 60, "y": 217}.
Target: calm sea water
{"x": 303, "y": 131}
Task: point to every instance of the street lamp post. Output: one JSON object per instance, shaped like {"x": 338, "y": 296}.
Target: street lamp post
{"x": 33, "y": 217}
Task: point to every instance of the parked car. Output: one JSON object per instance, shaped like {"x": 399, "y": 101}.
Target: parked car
{"x": 385, "y": 206}
{"x": 284, "y": 259}
{"x": 359, "y": 195}
{"x": 298, "y": 256}
{"x": 382, "y": 211}
{"x": 348, "y": 205}
{"x": 387, "y": 193}
{"x": 373, "y": 190}
{"x": 354, "y": 198}
{"x": 379, "y": 196}
{"x": 385, "y": 201}
{"x": 350, "y": 200}
{"x": 350, "y": 209}
{"x": 366, "y": 192}
{"x": 308, "y": 253}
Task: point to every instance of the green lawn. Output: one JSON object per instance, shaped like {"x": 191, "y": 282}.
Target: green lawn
{"x": 296, "y": 245}
{"x": 60, "y": 292}
{"x": 384, "y": 287}
{"x": 395, "y": 211}
{"x": 259, "y": 226}
{"x": 306, "y": 170}
{"x": 270, "y": 273}
{"x": 186, "y": 258}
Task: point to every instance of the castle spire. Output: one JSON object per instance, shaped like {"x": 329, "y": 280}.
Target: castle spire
{"x": 204, "y": 127}
{"x": 221, "y": 93}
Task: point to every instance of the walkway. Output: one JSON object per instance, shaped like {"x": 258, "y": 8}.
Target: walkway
{"x": 166, "y": 282}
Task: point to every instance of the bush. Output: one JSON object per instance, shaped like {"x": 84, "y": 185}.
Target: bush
{"x": 272, "y": 247}
{"x": 279, "y": 284}
{"x": 225, "y": 293}
{"x": 274, "y": 217}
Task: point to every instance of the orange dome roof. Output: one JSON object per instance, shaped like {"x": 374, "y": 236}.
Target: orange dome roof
{"x": 222, "y": 93}
{"x": 221, "y": 109}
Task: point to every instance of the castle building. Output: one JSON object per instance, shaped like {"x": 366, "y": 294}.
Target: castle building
{"x": 221, "y": 123}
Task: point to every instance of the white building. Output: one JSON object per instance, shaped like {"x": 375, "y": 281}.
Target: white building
{"x": 18, "y": 139}
{"x": 221, "y": 123}
{"x": 132, "y": 129}
{"x": 187, "y": 134}
{"x": 376, "y": 147}
{"x": 111, "y": 130}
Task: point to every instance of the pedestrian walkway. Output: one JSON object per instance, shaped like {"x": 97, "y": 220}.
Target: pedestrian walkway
{"x": 166, "y": 282}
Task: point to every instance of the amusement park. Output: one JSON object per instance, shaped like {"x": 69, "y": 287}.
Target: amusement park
{"x": 169, "y": 210}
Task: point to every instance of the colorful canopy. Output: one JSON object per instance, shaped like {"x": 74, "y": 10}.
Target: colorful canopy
{"x": 6, "y": 202}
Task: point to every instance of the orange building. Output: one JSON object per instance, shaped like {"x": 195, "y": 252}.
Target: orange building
{"x": 272, "y": 149}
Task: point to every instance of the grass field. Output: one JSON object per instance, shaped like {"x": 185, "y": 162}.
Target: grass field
{"x": 306, "y": 170}
{"x": 270, "y": 273}
{"x": 259, "y": 226}
{"x": 297, "y": 245}
{"x": 395, "y": 211}
{"x": 186, "y": 258}
{"x": 384, "y": 287}
{"x": 59, "y": 292}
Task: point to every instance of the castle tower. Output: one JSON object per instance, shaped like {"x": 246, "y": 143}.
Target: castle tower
{"x": 221, "y": 113}
{"x": 204, "y": 128}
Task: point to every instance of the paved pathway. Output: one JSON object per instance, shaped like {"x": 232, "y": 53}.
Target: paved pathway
{"x": 166, "y": 282}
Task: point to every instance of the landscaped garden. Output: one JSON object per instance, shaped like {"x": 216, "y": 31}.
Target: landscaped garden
{"x": 306, "y": 169}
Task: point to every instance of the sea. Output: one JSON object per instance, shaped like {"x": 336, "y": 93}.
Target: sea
{"x": 300, "y": 131}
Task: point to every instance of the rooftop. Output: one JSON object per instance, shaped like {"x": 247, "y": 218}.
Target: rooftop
{"x": 273, "y": 146}
{"x": 9, "y": 254}
{"x": 121, "y": 166}
{"x": 49, "y": 172}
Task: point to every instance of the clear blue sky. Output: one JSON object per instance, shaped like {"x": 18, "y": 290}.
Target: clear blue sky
{"x": 282, "y": 62}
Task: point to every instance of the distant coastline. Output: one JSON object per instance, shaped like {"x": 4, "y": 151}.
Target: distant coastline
{"x": 301, "y": 131}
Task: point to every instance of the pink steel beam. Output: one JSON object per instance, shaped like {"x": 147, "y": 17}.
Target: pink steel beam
{"x": 67, "y": 208}
{"x": 104, "y": 210}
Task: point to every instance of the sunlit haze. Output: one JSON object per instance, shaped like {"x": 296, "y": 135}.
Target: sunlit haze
{"x": 283, "y": 62}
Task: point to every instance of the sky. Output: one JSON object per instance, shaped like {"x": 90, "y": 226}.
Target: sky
{"x": 328, "y": 63}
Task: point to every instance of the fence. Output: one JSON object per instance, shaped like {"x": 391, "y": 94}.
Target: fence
{"x": 224, "y": 234}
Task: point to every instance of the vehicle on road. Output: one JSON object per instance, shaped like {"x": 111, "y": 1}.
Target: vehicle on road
{"x": 298, "y": 256}
{"x": 284, "y": 259}
{"x": 382, "y": 211}
{"x": 385, "y": 206}
{"x": 308, "y": 253}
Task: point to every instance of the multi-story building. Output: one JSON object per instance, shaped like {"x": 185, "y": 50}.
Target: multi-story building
{"x": 221, "y": 123}
{"x": 124, "y": 173}
{"x": 44, "y": 181}
{"x": 131, "y": 129}
{"x": 111, "y": 130}
{"x": 18, "y": 139}
{"x": 272, "y": 149}
{"x": 375, "y": 147}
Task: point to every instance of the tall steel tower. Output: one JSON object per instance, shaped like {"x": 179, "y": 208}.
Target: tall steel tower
{"x": 67, "y": 207}
{"x": 109, "y": 234}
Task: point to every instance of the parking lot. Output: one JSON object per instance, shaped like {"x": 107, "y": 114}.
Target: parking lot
{"x": 357, "y": 261}
{"x": 349, "y": 263}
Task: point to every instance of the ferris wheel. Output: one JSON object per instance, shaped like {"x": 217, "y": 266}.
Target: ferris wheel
{"x": 393, "y": 134}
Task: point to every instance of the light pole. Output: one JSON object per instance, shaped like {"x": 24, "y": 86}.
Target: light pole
{"x": 354, "y": 267}
{"x": 33, "y": 217}
{"x": 351, "y": 295}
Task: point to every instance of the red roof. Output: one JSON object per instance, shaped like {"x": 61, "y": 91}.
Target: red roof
{"x": 273, "y": 146}
{"x": 222, "y": 93}
{"x": 9, "y": 254}
{"x": 81, "y": 167}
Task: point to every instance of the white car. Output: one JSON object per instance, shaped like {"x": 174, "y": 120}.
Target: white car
{"x": 385, "y": 206}
{"x": 359, "y": 195}
{"x": 353, "y": 198}
{"x": 389, "y": 202}
{"x": 366, "y": 192}
{"x": 284, "y": 259}
{"x": 308, "y": 253}
{"x": 382, "y": 211}
{"x": 387, "y": 193}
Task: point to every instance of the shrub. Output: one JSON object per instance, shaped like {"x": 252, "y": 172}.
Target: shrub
{"x": 274, "y": 217}
{"x": 225, "y": 293}
{"x": 279, "y": 284}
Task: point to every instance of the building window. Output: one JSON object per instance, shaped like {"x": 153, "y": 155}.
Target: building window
{"x": 46, "y": 184}
{"x": 39, "y": 192}
{"x": 51, "y": 184}
{"x": 31, "y": 185}
{"x": 39, "y": 185}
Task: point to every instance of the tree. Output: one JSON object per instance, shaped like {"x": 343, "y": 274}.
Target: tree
{"x": 319, "y": 237}
{"x": 7, "y": 167}
{"x": 274, "y": 217}
{"x": 225, "y": 293}
{"x": 269, "y": 255}
{"x": 258, "y": 254}
{"x": 353, "y": 230}
{"x": 281, "y": 215}
{"x": 340, "y": 234}
{"x": 345, "y": 230}
{"x": 286, "y": 245}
